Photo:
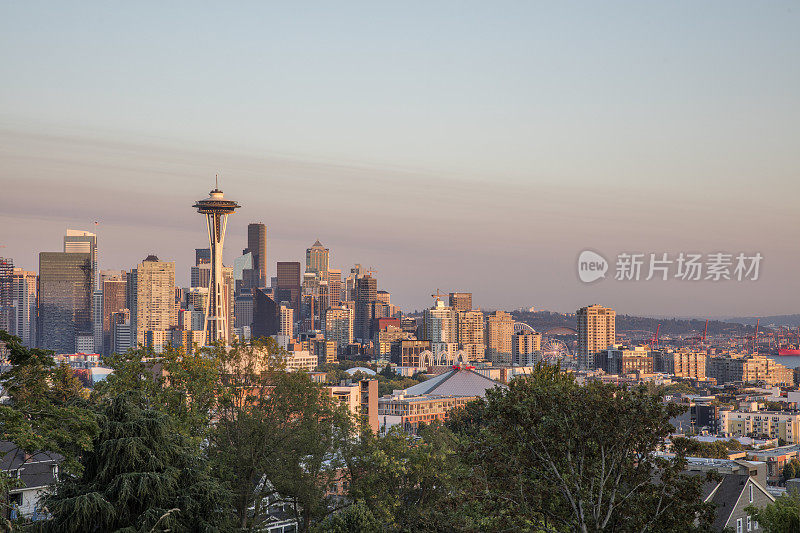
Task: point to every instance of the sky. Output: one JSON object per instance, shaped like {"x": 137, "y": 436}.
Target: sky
{"x": 464, "y": 146}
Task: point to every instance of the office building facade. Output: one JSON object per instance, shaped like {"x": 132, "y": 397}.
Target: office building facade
{"x": 65, "y": 299}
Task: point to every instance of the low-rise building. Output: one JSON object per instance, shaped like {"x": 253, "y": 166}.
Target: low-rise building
{"x": 620, "y": 361}
{"x": 300, "y": 360}
{"x": 776, "y": 459}
{"x": 682, "y": 364}
{"x": 749, "y": 369}
{"x": 769, "y": 424}
{"x": 433, "y": 399}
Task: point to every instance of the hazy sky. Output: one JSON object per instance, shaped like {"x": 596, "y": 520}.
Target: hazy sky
{"x": 474, "y": 146}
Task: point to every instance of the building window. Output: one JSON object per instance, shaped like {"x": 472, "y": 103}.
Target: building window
{"x": 739, "y": 528}
{"x": 749, "y": 524}
{"x": 751, "y": 496}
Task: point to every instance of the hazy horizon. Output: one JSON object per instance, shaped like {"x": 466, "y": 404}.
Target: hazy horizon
{"x": 457, "y": 146}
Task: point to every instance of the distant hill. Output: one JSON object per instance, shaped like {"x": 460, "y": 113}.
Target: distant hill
{"x": 545, "y": 320}
{"x": 778, "y": 320}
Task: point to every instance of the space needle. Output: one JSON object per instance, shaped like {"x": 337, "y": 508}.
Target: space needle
{"x": 216, "y": 209}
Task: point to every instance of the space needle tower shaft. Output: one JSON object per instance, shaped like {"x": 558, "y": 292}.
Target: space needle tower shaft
{"x": 216, "y": 209}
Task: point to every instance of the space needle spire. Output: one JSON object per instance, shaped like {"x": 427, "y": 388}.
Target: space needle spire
{"x": 216, "y": 209}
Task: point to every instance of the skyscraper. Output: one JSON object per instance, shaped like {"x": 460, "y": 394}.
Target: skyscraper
{"x": 114, "y": 299}
{"x": 216, "y": 209}
{"x": 461, "y": 301}
{"x": 257, "y": 245}
{"x": 339, "y": 326}
{"x": 596, "y": 331}
{"x": 334, "y": 288}
{"x": 366, "y": 294}
{"x": 24, "y": 288}
{"x": 155, "y": 297}
{"x": 65, "y": 299}
{"x": 6, "y": 273}
{"x": 97, "y": 321}
{"x": 83, "y": 242}
{"x": 317, "y": 259}
{"x": 289, "y": 279}
{"x": 266, "y": 315}
{"x": 202, "y": 256}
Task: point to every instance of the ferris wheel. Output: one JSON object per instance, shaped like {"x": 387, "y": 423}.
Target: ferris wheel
{"x": 555, "y": 349}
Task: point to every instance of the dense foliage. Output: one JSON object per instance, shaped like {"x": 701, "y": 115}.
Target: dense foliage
{"x": 220, "y": 439}
{"x": 781, "y": 516}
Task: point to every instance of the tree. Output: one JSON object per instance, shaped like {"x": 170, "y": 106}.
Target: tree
{"x": 549, "y": 454}
{"x": 185, "y": 386}
{"x": 356, "y": 518}
{"x": 791, "y": 470}
{"x": 408, "y": 483}
{"x": 780, "y": 516}
{"x": 46, "y": 410}
{"x": 276, "y": 436}
{"x": 141, "y": 475}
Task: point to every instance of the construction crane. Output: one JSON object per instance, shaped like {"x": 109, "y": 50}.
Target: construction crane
{"x": 755, "y": 339}
{"x": 370, "y": 271}
{"x": 654, "y": 338}
{"x": 438, "y": 295}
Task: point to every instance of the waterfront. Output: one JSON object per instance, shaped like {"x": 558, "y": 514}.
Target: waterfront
{"x": 791, "y": 361}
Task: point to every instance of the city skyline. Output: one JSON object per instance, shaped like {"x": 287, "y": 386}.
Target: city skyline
{"x": 480, "y": 153}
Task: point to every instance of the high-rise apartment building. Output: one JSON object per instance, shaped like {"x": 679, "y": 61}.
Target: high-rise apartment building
{"x": 6, "y": 304}
{"x": 24, "y": 287}
{"x": 525, "y": 348}
{"x": 155, "y": 297}
{"x": 334, "y": 287}
{"x": 65, "y": 299}
{"x": 439, "y": 324}
{"x": 472, "y": 334}
{"x": 339, "y": 326}
{"x": 460, "y": 301}
{"x": 366, "y": 295}
{"x": 286, "y": 322}
{"x": 596, "y": 331}
{"x": 499, "y": 333}
{"x": 317, "y": 259}
{"x": 289, "y": 279}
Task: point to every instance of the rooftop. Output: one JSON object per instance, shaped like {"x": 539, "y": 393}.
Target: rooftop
{"x": 461, "y": 381}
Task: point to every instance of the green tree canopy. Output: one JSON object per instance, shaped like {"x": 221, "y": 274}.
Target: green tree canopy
{"x": 549, "y": 454}
{"x": 46, "y": 410}
{"x": 141, "y": 475}
{"x": 781, "y": 516}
